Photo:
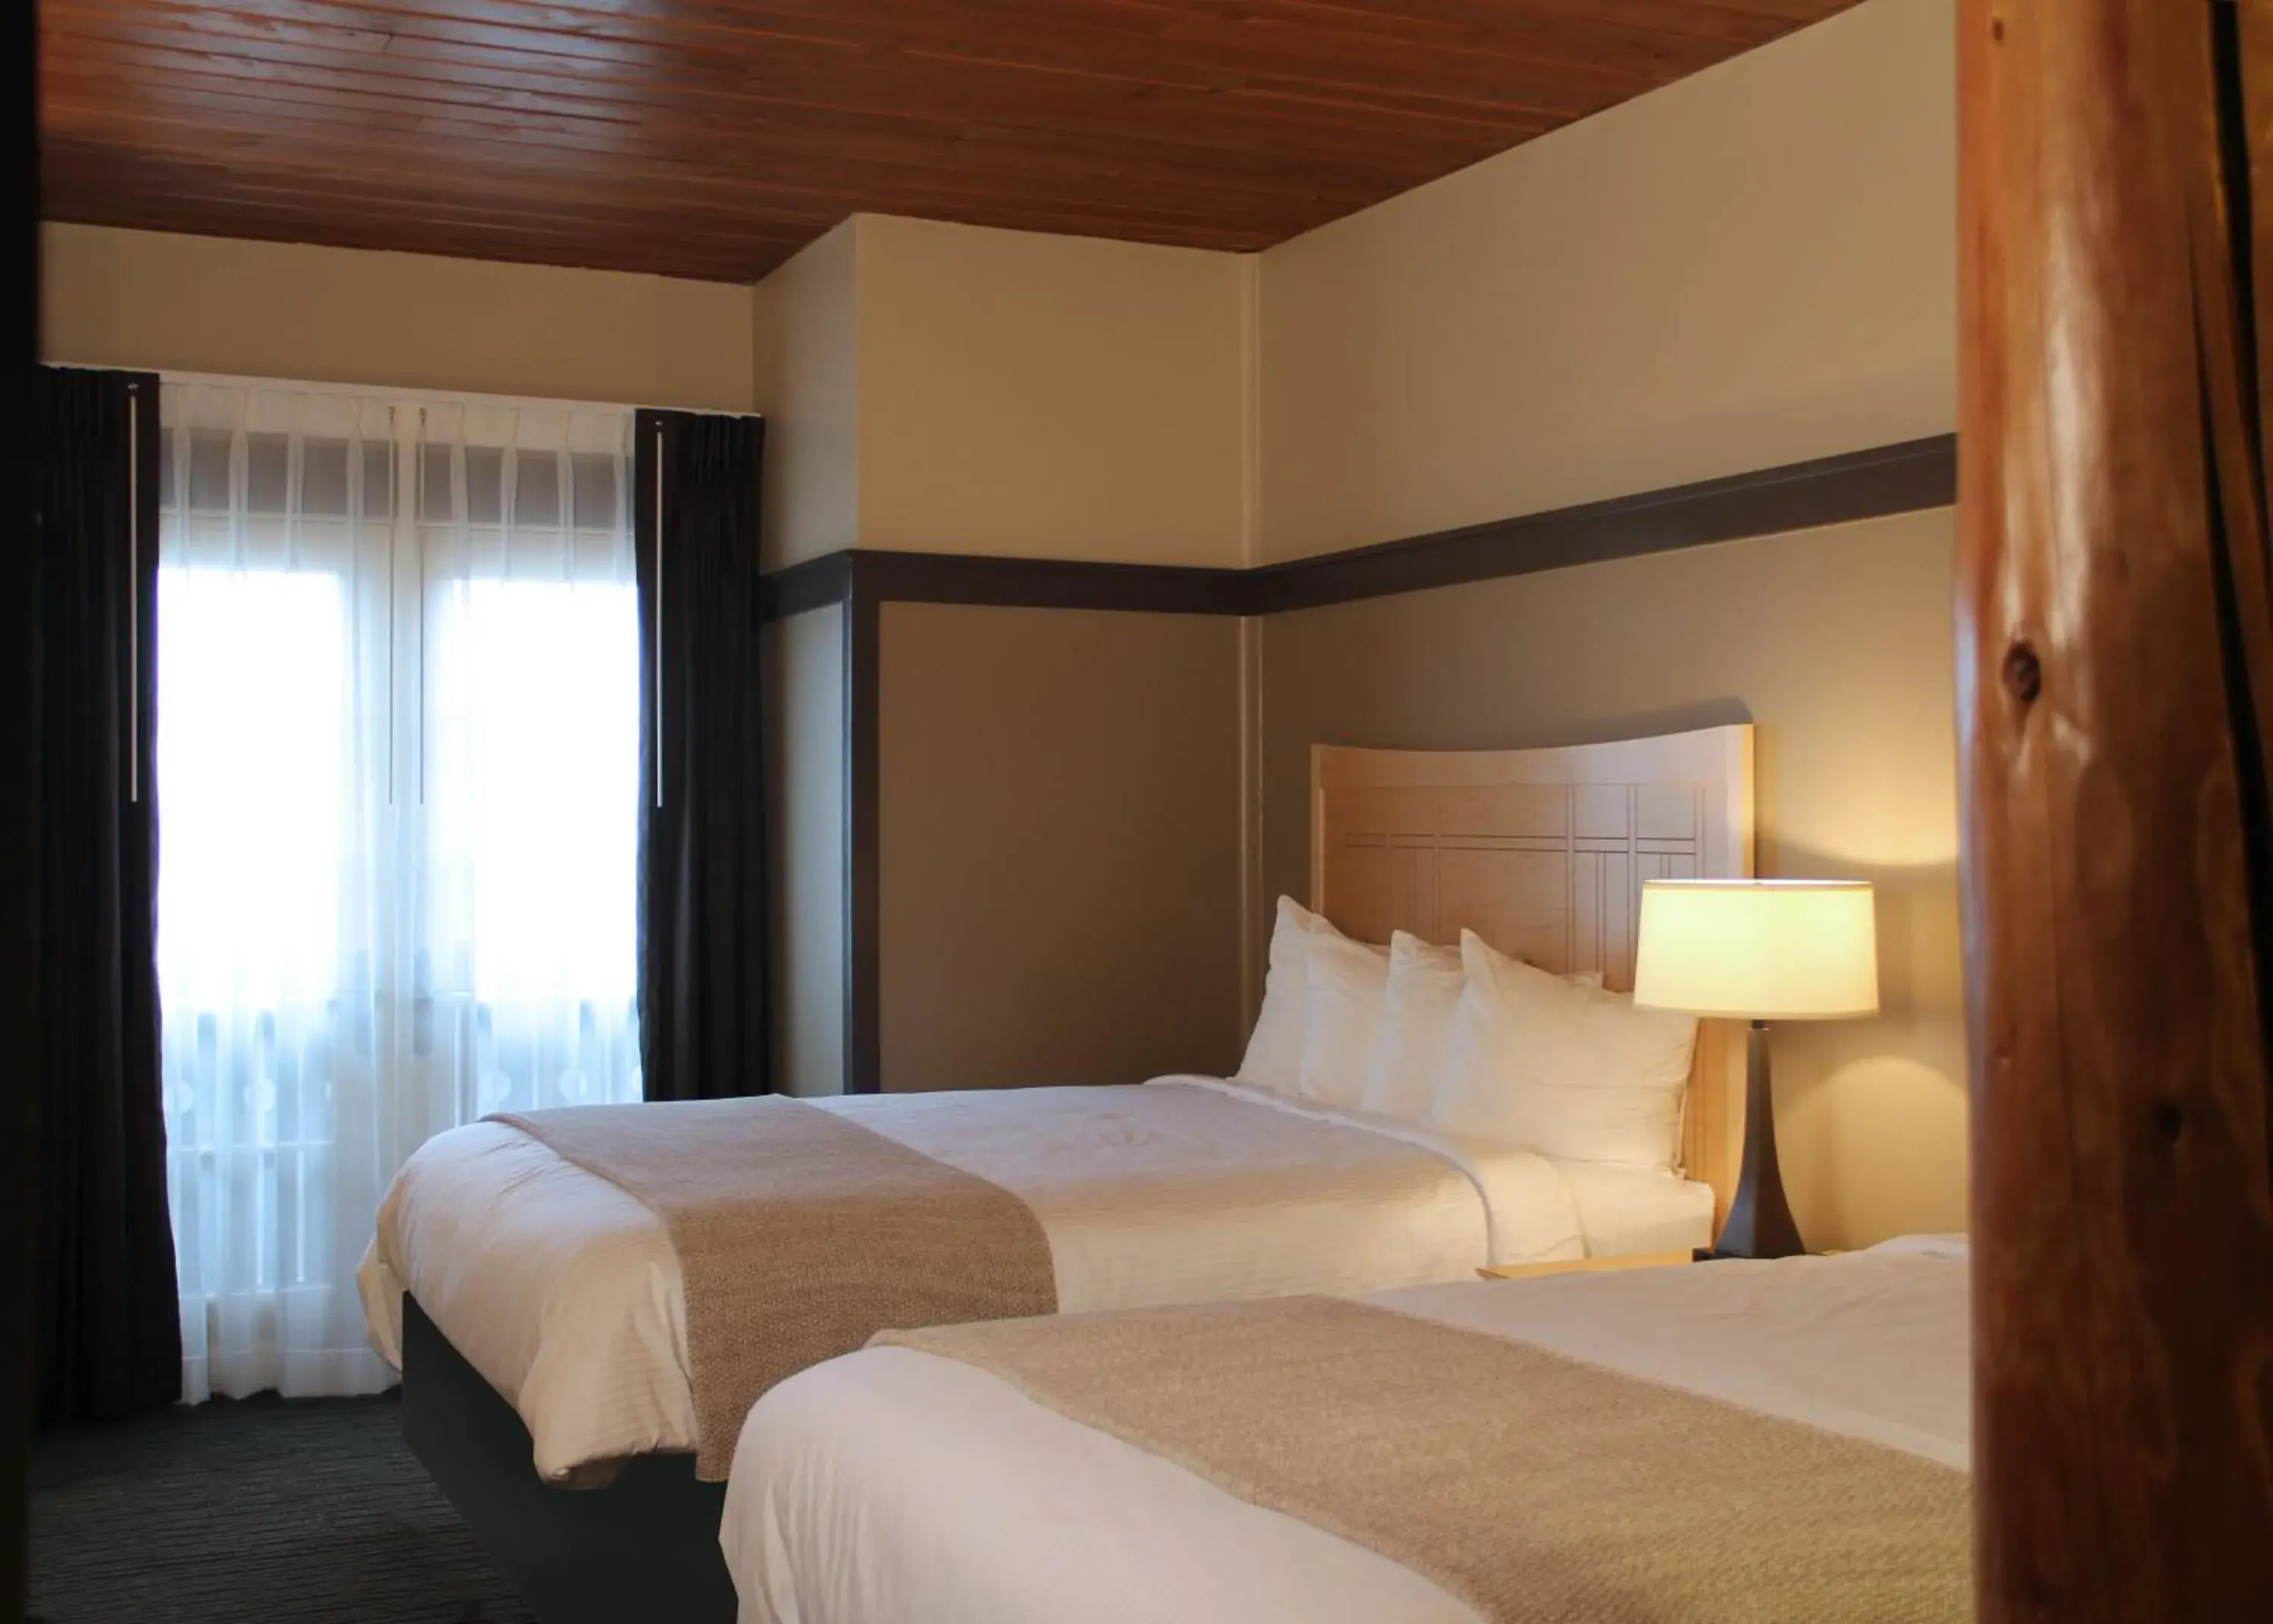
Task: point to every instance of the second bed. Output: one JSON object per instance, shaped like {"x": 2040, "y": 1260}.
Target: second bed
{"x": 1727, "y": 1442}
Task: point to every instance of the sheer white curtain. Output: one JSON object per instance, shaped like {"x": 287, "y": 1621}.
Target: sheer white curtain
{"x": 398, "y": 691}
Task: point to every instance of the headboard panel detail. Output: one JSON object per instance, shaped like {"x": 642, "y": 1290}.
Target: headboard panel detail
{"x": 1542, "y": 854}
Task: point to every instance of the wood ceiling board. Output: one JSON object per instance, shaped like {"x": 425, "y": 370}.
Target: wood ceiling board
{"x": 713, "y": 138}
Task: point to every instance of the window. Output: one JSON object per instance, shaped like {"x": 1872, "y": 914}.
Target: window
{"x": 398, "y": 691}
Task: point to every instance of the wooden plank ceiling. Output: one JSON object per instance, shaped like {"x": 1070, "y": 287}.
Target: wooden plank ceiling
{"x": 713, "y": 138}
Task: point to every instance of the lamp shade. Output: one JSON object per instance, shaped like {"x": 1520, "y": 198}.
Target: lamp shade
{"x": 1759, "y": 949}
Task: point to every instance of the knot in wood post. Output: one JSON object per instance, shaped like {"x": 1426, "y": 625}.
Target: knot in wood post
{"x": 2023, "y": 673}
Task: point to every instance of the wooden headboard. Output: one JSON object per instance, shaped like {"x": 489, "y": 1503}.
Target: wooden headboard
{"x": 1542, "y": 853}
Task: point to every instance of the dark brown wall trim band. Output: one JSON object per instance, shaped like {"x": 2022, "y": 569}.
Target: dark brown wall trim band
{"x": 1904, "y": 478}
{"x": 1908, "y": 477}
{"x": 1051, "y": 583}
{"x": 815, "y": 584}
{"x": 1003, "y": 583}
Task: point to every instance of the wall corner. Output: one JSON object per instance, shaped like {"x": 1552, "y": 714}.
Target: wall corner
{"x": 1251, "y": 410}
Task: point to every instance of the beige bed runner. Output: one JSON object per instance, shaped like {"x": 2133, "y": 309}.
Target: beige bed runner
{"x": 1536, "y": 1488}
{"x": 800, "y": 1235}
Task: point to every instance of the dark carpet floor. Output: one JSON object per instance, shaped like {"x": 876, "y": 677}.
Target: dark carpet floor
{"x": 312, "y": 1510}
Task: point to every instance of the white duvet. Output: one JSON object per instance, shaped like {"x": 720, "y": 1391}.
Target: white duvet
{"x": 562, "y": 1291}
{"x": 892, "y": 1486}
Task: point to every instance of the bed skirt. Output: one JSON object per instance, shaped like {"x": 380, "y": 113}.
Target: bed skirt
{"x": 645, "y": 1547}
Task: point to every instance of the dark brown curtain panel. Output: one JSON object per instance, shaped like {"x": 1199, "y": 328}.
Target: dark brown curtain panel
{"x": 108, "y": 1311}
{"x": 20, "y": 778}
{"x": 704, "y": 1031}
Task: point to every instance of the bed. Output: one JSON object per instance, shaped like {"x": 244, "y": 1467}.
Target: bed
{"x": 898, "y": 1483}
{"x": 540, "y": 1315}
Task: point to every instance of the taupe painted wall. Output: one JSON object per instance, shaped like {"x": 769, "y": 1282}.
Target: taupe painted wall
{"x": 345, "y": 316}
{"x": 805, "y": 692}
{"x": 1837, "y": 645}
{"x": 1753, "y": 265}
{"x": 1060, "y": 846}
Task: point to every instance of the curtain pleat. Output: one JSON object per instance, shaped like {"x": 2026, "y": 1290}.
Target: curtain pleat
{"x": 703, "y": 974}
{"x": 109, "y": 1337}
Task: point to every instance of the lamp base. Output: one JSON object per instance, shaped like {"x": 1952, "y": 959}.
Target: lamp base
{"x": 1759, "y": 1219}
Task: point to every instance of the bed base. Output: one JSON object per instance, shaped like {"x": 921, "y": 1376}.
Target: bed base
{"x": 643, "y": 1548}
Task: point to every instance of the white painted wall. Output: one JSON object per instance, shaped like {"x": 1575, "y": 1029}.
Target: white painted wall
{"x": 944, "y": 388}
{"x": 1753, "y": 265}
{"x": 148, "y": 299}
{"x": 806, "y": 333}
{"x": 805, "y": 698}
{"x": 1048, "y": 396}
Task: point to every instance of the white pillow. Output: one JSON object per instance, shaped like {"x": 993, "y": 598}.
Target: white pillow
{"x": 1348, "y": 984}
{"x": 1567, "y": 1069}
{"x": 1274, "y": 1050}
{"x": 1416, "y": 1028}
{"x": 1474, "y": 1091}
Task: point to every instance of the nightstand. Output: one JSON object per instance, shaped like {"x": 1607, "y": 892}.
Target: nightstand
{"x": 1582, "y": 1266}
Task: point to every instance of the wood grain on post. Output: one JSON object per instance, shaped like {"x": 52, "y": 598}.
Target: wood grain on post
{"x": 2114, "y": 689}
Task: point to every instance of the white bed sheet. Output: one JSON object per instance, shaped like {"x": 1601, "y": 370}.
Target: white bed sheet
{"x": 563, "y": 1292}
{"x": 894, "y": 1486}
{"x": 1633, "y": 1211}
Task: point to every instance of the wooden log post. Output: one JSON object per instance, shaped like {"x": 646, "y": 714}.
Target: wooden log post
{"x": 2113, "y": 641}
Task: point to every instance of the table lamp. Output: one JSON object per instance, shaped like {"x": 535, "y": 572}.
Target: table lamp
{"x": 1759, "y": 950}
